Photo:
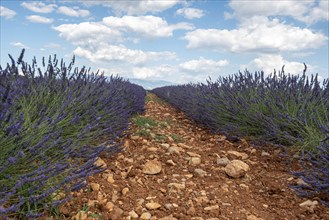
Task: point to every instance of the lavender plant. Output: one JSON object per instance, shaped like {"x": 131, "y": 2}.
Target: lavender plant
{"x": 283, "y": 109}
{"x": 51, "y": 123}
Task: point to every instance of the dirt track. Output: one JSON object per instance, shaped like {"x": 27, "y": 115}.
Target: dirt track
{"x": 189, "y": 180}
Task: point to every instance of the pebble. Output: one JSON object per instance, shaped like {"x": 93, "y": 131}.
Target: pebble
{"x": 178, "y": 186}
{"x": 152, "y": 167}
{"x": 109, "y": 206}
{"x": 116, "y": 213}
{"x": 133, "y": 214}
{"x": 100, "y": 163}
{"x": 175, "y": 150}
{"x": 165, "y": 145}
{"x": 171, "y": 162}
{"x": 200, "y": 172}
{"x": 125, "y": 191}
{"x": 195, "y": 161}
{"x": 94, "y": 186}
{"x": 184, "y": 146}
{"x": 253, "y": 217}
{"x": 222, "y": 161}
{"x": 236, "y": 168}
{"x": 169, "y": 217}
{"x": 145, "y": 216}
{"x": 191, "y": 154}
{"x": 82, "y": 215}
{"x": 309, "y": 205}
{"x": 265, "y": 154}
{"x": 110, "y": 178}
{"x": 152, "y": 205}
{"x": 240, "y": 155}
{"x": 152, "y": 149}
{"x": 213, "y": 207}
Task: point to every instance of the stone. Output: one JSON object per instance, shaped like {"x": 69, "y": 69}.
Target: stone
{"x": 125, "y": 191}
{"x": 210, "y": 208}
{"x": 82, "y": 215}
{"x": 222, "y": 161}
{"x": 92, "y": 203}
{"x": 134, "y": 137}
{"x": 94, "y": 186}
{"x": 152, "y": 205}
{"x": 116, "y": 213}
{"x": 200, "y": 172}
{"x": 152, "y": 149}
{"x": 309, "y": 205}
{"x": 237, "y": 154}
{"x": 177, "y": 186}
{"x": 109, "y": 206}
{"x": 145, "y": 216}
{"x": 169, "y": 217}
{"x": 301, "y": 182}
{"x": 195, "y": 161}
{"x": 110, "y": 178}
{"x": 100, "y": 163}
{"x": 191, "y": 211}
{"x": 171, "y": 162}
{"x": 236, "y": 168}
{"x": 191, "y": 154}
{"x": 175, "y": 150}
{"x": 152, "y": 167}
{"x": 265, "y": 154}
{"x": 168, "y": 206}
{"x": 253, "y": 217}
{"x": 183, "y": 146}
{"x": 165, "y": 145}
{"x": 133, "y": 214}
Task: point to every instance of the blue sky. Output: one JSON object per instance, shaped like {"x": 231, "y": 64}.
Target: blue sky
{"x": 169, "y": 40}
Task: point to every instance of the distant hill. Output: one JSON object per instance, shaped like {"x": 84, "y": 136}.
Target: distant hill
{"x": 151, "y": 84}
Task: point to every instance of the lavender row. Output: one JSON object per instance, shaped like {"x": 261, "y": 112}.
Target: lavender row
{"x": 282, "y": 109}
{"x": 55, "y": 120}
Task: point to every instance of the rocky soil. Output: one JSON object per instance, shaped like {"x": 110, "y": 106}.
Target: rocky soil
{"x": 172, "y": 169}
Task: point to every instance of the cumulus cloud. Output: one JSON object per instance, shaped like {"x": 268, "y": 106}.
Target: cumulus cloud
{"x": 19, "y": 45}
{"x": 39, "y": 19}
{"x": 39, "y": 7}
{"x": 136, "y": 7}
{"x": 162, "y": 72}
{"x": 6, "y": 12}
{"x": 268, "y": 63}
{"x": 147, "y": 26}
{"x": 258, "y": 34}
{"x": 88, "y": 34}
{"x": 203, "y": 66}
{"x": 120, "y": 53}
{"x": 190, "y": 13}
{"x": 306, "y": 11}
{"x": 73, "y": 12}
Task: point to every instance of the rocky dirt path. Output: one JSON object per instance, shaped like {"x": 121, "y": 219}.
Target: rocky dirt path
{"x": 172, "y": 169}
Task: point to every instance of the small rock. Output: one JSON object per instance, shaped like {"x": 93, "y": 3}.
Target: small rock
{"x": 265, "y": 154}
{"x": 222, "y": 161}
{"x": 309, "y": 205}
{"x": 165, "y": 145}
{"x": 301, "y": 182}
{"x": 240, "y": 155}
{"x": 175, "y": 150}
{"x": 134, "y": 137}
{"x": 133, "y": 214}
{"x": 100, "y": 163}
{"x": 178, "y": 186}
{"x": 152, "y": 205}
{"x": 116, "y": 213}
{"x": 125, "y": 191}
{"x": 253, "y": 217}
{"x": 191, "y": 211}
{"x": 168, "y": 206}
{"x": 169, "y": 217}
{"x": 195, "y": 161}
{"x": 213, "y": 207}
{"x": 92, "y": 203}
{"x": 152, "y": 167}
{"x": 94, "y": 186}
{"x": 191, "y": 154}
{"x": 110, "y": 178}
{"x": 200, "y": 172}
{"x": 184, "y": 146}
{"x": 82, "y": 215}
{"x": 109, "y": 206}
{"x": 171, "y": 162}
{"x": 146, "y": 216}
{"x": 236, "y": 168}
{"x": 152, "y": 149}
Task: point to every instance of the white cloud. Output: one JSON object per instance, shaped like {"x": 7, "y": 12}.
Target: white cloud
{"x": 147, "y": 26}
{"x": 120, "y": 53}
{"x": 162, "y": 72}
{"x": 136, "y": 7}
{"x": 258, "y": 34}
{"x": 19, "y": 45}
{"x": 268, "y": 63}
{"x": 309, "y": 11}
{"x": 190, "y": 13}
{"x": 73, "y": 12}
{"x": 6, "y": 12}
{"x": 39, "y": 19}
{"x": 203, "y": 66}
{"x": 39, "y": 7}
{"x": 88, "y": 34}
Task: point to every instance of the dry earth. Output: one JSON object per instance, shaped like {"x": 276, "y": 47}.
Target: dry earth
{"x": 172, "y": 169}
